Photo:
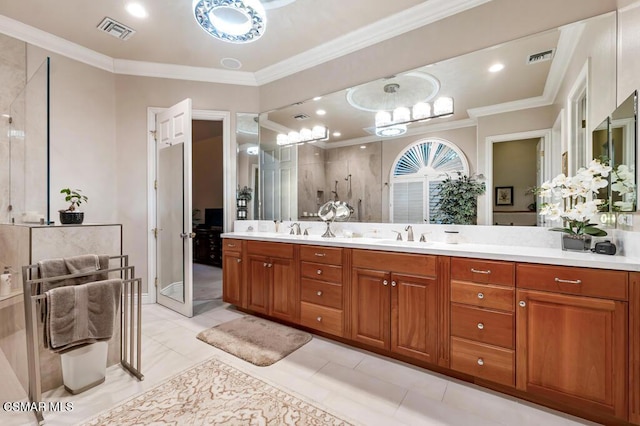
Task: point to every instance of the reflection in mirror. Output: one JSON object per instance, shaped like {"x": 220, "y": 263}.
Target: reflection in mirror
{"x": 601, "y": 151}
{"x": 623, "y": 147}
{"x": 247, "y": 168}
{"x": 353, "y": 161}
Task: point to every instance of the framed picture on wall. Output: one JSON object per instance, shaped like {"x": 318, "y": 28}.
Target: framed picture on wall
{"x": 504, "y": 196}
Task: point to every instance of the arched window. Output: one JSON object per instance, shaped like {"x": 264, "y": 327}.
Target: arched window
{"x": 415, "y": 175}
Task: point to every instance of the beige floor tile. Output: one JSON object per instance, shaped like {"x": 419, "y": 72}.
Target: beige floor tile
{"x": 357, "y": 413}
{"x": 333, "y": 352}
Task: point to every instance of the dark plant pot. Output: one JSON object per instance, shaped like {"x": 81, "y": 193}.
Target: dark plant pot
{"x": 71, "y": 217}
{"x": 576, "y": 242}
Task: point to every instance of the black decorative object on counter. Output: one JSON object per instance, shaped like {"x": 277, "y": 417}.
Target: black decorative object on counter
{"x": 71, "y": 217}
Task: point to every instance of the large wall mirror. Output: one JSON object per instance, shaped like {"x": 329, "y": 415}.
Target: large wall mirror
{"x": 348, "y": 145}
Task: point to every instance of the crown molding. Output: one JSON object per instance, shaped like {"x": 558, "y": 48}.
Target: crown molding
{"x": 535, "y": 102}
{"x": 39, "y": 38}
{"x": 183, "y": 72}
{"x": 400, "y": 23}
{"x": 395, "y": 25}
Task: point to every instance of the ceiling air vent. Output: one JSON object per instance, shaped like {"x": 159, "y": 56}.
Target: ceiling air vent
{"x": 116, "y": 29}
{"x": 540, "y": 57}
{"x": 301, "y": 117}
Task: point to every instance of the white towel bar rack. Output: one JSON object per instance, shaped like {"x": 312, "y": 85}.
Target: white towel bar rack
{"x": 130, "y": 321}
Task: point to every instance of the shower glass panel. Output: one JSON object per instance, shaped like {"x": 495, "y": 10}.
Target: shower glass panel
{"x": 29, "y": 151}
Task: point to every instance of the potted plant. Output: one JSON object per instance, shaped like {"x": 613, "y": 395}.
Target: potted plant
{"x": 71, "y": 216}
{"x": 458, "y": 203}
{"x": 576, "y": 204}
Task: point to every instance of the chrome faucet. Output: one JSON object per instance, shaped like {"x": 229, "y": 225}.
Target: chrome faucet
{"x": 295, "y": 229}
{"x": 422, "y": 238}
{"x": 409, "y": 230}
{"x": 399, "y": 238}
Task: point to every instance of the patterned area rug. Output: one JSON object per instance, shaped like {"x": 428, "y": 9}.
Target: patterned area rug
{"x": 214, "y": 393}
{"x": 255, "y": 340}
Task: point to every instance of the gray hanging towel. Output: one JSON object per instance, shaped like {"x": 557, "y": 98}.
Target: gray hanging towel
{"x": 81, "y": 314}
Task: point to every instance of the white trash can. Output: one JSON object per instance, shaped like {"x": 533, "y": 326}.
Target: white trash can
{"x": 85, "y": 367}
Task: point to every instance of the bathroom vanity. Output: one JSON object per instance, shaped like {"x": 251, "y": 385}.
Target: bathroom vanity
{"x": 559, "y": 329}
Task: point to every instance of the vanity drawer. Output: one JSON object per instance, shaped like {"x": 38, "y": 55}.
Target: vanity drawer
{"x": 322, "y": 272}
{"x": 318, "y": 254}
{"x": 571, "y": 280}
{"x": 402, "y": 263}
{"x": 230, "y": 244}
{"x": 484, "y": 361}
{"x": 483, "y": 271}
{"x": 321, "y": 293}
{"x": 483, "y": 295}
{"x": 321, "y": 318}
{"x": 264, "y": 248}
{"x": 493, "y": 327}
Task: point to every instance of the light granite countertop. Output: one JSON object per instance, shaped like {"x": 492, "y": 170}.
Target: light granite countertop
{"x": 550, "y": 256}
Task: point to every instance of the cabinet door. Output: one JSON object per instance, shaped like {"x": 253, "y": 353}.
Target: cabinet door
{"x": 414, "y": 316}
{"x": 572, "y": 349}
{"x": 285, "y": 293}
{"x": 370, "y": 309}
{"x": 258, "y": 278}
{"x": 232, "y": 278}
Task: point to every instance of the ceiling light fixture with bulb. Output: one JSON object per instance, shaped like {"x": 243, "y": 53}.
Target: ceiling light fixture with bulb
{"x": 233, "y": 21}
{"x": 392, "y": 124}
{"x": 318, "y": 133}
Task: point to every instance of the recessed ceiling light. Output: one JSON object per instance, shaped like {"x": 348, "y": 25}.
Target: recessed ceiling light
{"x": 231, "y": 63}
{"x": 321, "y": 112}
{"x": 317, "y": 98}
{"x": 496, "y": 67}
{"x": 363, "y": 147}
{"x": 337, "y": 134}
{"x": 137, "y": 10}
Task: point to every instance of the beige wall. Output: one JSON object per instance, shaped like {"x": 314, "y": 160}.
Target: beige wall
{"x": 207, "y": 174}
{"x": 514, "y": 165}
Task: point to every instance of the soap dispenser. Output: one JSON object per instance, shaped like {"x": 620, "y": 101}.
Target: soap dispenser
{"x": 5, "y": 282}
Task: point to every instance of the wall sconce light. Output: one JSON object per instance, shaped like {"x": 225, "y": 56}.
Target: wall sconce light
{"x": 318, "y": 133}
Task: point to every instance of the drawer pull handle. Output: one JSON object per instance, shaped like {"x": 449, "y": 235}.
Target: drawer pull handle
{"x": 319, "y": 293}
{"x": 522, "y": 303}
{"x": 393, "y": 283}
{"x": 320, "y": 254}
{"x": 480, "y": 361}
{"x": 319, "y": 319}
{"x": 480, "y": 326}
{"x": 479, "y": 271}
{"x": 238, "y": 260}
{"x": 480, "y": 295}
{"x": 385, "y": 282}
{"x": 231, "y": 245}
{"x": 265, "y": 264}
{"x": 319, "y": 272}
{"x": 558, "y": 280}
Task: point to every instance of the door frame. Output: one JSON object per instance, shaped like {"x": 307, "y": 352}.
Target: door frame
{"x": 229, "y": 184}
{"x": 544, "y": 134}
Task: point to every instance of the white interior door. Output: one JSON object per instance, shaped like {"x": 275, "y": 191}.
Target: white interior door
{"x": 174, "y": 250}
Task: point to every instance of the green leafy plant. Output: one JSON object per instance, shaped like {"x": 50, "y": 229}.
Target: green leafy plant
{"x": 74, "y": 197}
{"x": 458, "y": 203}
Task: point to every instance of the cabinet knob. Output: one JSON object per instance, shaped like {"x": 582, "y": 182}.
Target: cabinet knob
{"x": 319, "y": 319}
{"x": 480, "y": 295}
{"x": 265, "y": 264}
{"x": 480, "y": 326}
{"x": 393, "y": 283}
{"x": 480, "y": 361}
{"x": 269, "y": 265}
{"x": 319, "y": 293}
{"x": 319, "y": 272}
{"x": 385, "y": 282}
{"x": 238, "y": 260}
{"x": 522, "y": 303}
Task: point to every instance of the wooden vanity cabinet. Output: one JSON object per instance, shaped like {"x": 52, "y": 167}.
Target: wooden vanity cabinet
{"x": 233, "y": 284}
{"x": 571, "y": 339}
{"x": 396, "y": 308}
{"x": 272, "y": 285}
{"x": 321, "y": 287}
{"x": 482, "y": 319}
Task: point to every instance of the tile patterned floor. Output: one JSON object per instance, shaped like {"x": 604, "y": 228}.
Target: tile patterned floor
{"x": 358, "y": 385}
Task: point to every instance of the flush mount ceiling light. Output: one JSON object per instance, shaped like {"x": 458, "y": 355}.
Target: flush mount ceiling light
{"x": 234, "y": 21}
